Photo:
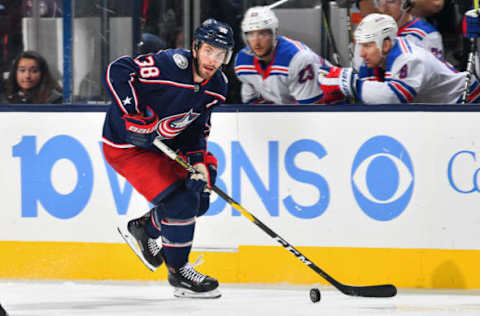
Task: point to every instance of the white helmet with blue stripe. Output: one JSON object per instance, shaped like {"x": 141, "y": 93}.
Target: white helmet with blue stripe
{"x": 376, "y": 28}
{"x": 260, "y": 18}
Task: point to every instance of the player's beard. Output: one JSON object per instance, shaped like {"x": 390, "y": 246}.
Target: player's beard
{"x": 206, "y": 73}
{"x": 199, "y": 70}
{"x": 266, "y": 55}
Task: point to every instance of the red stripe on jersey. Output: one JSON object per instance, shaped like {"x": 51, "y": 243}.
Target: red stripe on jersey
{"x": 474, "y": 94}
{"x": 169, "y": 83}
{"x": 244, "y": 68}
{"x": 417, "y": 31}
{"x": 405, "y": 26}
{"x": 403, "y": 46}
{"x": 404, "y": 91}
{"x": 217, "y": 95}
{"x": 209, "y": 105}
{"x": 184, "y": 223}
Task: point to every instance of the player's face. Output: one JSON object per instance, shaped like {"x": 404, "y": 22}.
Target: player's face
{"x": 370, "y": 54}
{"x": 260, "y": 42}
{"x": 210, "y": 59}
{"x": 28, "y": 74}
{"x": 391, "y": 7}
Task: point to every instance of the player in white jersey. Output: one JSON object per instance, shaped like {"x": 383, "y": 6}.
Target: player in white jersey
{"x": 412, "y": 28}
{"x": 471, "y": 30}
{"x": 274, "y": 68}
{"x": 395, "y": 71}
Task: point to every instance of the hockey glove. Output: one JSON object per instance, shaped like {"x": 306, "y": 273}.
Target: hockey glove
{"x": 211, "y": 162}
{"x": 337, "y": 83}
{"x": 197, "y": 181}
{"x": 141, "y": 128}
{"x": 471, "y": 24}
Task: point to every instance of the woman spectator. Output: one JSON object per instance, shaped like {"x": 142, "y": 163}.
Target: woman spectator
{"x": 30, "y": 81}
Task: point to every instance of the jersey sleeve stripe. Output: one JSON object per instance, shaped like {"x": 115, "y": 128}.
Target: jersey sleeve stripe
{"x": 403, "y": 46}
{"x": 411, "y": 91}
{"x": 397, "y": 94}
{"x": 401, "y": 92}
{"x": 256, "y": 101}
{"x": 217, "y": 95}
{"x": 108, "y": 142}
{"x": 209, "y": 105}
{"x": 311, "y": 100}
{"x": 168, "y": 82}
{"x": 279, "y": 74}
{"x": 112, "y": 89}
{"x": 419, "y": 37}
{"x": 474, "y": 92}
{"x": 419, "y": 32}
{"x": 238, "y": 68}
{"x": 247, "y": 73}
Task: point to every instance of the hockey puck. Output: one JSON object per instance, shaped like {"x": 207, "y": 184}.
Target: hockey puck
{"x": 315, "y": 295}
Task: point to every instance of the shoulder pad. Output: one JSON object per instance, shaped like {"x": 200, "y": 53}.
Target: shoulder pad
{"x": 180, "y": 60}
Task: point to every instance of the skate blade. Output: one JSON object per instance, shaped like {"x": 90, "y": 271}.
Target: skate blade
{"x": 132, "y": 243}
{"x": 184, "y": 293}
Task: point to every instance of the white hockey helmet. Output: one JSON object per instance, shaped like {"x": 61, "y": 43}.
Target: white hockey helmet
{"x": 376, "y": 28}
{"x": 260, "y": 18}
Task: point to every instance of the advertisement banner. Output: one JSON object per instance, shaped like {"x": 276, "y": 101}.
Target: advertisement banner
{"x": 320, "y": 179}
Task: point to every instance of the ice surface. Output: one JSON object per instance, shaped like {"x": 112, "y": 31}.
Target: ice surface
{"x": 147, "y": 298}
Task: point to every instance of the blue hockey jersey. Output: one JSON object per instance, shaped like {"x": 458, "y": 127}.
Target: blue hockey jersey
{"x": 164, "y": 83}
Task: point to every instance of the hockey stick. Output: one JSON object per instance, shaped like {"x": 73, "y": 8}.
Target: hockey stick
{"x": 385, "y": 290}
{"x": 471, "y": 54}
{"x": 276, "y": 4}
{"x": 335, "y": 54}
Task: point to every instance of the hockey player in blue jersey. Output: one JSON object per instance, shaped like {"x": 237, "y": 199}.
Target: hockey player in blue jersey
{"x": 169, "y": 95}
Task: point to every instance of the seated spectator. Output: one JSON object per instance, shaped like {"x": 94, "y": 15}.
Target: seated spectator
{"x": 150, "y": 43}
{"x": 30, "y": 81}
{"x": 412, "y": 28}
{"x": 421, "y": 8}
{"x": 426, "y": 8}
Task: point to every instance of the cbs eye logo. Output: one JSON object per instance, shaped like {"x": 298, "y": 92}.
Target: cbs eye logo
{"x": 382, "y": 178}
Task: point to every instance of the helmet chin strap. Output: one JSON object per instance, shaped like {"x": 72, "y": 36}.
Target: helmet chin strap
{"x": 195, "y": 65}
{"x": 384, "y": 56}
{"x": 196, "y": 46}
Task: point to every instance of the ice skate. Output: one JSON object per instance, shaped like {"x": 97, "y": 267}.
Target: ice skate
{"x": 145, "y": 248}
{"x": 189, "y": 283}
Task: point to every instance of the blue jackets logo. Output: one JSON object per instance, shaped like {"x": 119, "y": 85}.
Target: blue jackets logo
{"x": 173, "y": 125}
{"x": 382, "y": 178}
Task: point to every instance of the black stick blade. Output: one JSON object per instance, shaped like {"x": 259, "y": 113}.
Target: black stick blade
{"x": 384, "y": 290}
{"x": 2, "y": 311}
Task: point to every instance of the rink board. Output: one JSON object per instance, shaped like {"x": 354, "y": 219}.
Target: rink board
{"x": 369, "y": 197}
